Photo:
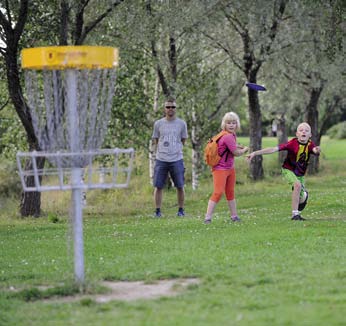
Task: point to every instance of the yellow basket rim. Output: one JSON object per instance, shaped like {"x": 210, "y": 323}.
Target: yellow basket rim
{"x": 70, "y": 57}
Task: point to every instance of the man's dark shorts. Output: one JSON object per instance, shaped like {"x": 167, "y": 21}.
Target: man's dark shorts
{"x": 175, "y": 169}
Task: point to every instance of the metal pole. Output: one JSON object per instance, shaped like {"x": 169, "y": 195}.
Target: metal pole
{"x": 71, "y": 80}
{"x": 78, "y": 228}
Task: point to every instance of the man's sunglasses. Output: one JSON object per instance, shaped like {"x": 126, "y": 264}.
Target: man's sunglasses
{"x": 170, "y": 107}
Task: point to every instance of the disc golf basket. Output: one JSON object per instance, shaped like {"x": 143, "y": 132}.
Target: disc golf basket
{"x": 69, "y": 93}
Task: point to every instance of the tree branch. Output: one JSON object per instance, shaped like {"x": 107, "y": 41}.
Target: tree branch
{"x": 154, "y": 54}
{"x": 83, "y": 33}
{"x": 328, "y": 115}
{"x": 23, "y": 13}
{"x": 172, "y": 55}
{"x": 223, "y": 101}
{"x": 64, "y": 14}
{"x": 5, "y": 104}
{"x": 224, "y": 48}
{"x": 277, "y": 17}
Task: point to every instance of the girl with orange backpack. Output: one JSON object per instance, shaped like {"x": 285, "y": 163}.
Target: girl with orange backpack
{"x": 224, "y": 176}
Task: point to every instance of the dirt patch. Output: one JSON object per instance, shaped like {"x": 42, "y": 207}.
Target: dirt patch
{"x": 130, "y": 291}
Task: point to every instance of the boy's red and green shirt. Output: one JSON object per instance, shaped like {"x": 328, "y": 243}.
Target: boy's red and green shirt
{"x": 298, "y": 155}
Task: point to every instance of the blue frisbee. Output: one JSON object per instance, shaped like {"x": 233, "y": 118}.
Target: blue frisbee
{"x": 255, "y": 87}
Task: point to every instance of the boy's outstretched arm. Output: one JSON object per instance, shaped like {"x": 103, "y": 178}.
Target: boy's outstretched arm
{"x": 240, "y": 150}
{"x": 268, "y": 150}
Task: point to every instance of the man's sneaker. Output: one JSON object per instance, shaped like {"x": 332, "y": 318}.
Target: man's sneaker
{"x": 181, "y": 212}
{"x": 303, "y": 204}
{"x": 158, "y": 212}
{"x": 207, "y": 221}
{"x": 235, "y": 219}
{"x": 297, "y": 218}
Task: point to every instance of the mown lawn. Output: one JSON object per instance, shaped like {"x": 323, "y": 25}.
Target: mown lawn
{"x": 267, "y": 270}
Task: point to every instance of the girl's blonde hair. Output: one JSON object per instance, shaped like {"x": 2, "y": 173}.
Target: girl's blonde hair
{"x": 230, "y": 116}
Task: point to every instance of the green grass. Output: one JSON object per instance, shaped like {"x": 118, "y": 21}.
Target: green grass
{"x": 267, "y": 270}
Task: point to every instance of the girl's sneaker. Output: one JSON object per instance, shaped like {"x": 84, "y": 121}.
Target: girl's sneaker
{"x": 207, "y": 220}
{"x": 235, "y": 219}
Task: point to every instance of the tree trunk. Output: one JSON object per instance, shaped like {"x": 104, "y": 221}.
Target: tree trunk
{"x": 256, "y": 167}
{"x": 196, "y": 151}
{"x": 30, "y": 204}
{"x": 327, "y": 119}
{"x": 64, "y": 20}
{"x": 252, "y": 62}
{"x": 12, "y": 30}
{"x": 152, "y": 145}
{"x": 311, "y": 118}
{"x": 282, "y": 136}
{"x": 152, "y": 157}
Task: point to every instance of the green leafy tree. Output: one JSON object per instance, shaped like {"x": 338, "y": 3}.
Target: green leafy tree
{"x": 308, "y": 72}
{"x": 247, "y": 33}
{"x": 165, "y": 41}
{"x": 28, "y": 23}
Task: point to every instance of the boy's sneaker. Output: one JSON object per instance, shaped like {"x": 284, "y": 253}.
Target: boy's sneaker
{"x": 297, "y": 218}
{"x": 303, "y": 204}
{"x": 181, "y": 212}
{"x": 158, "y": 212}
{"x": 235, "y": 219}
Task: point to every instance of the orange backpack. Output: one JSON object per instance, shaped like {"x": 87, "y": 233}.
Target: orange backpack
{"x": 211, "y": 154}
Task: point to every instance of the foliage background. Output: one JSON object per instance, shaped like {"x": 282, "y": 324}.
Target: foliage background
{"x": 208, "y": 81}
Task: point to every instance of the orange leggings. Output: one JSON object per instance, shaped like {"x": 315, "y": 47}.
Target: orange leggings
{"x": 224, "y": 182}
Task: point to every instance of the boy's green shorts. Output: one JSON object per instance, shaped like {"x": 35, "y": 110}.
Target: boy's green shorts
{"x": 291, "y": 178}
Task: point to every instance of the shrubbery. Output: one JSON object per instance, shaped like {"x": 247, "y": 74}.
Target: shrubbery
{"x": 10, "y": 185}
{"x": 338, "y": 131}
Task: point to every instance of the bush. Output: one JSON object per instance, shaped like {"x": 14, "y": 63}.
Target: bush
{"x": 338, "y": 131}
{"x": 10, "y": 185}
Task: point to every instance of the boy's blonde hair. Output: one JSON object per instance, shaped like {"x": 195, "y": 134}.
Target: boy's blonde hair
{"x": 305, "y": 124}
{"x": 230, "y": 116}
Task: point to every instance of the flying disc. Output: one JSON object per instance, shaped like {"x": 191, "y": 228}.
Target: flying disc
{"x": 256, "y": 87}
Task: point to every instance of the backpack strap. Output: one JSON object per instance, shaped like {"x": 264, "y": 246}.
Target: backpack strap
{"x": 218, "y": 137}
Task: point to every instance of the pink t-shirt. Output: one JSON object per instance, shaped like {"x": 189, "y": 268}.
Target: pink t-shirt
{"x": 228, "y": 142}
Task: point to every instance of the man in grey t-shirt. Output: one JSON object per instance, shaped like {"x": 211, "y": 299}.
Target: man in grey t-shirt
{"x": 169, "y": 134}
